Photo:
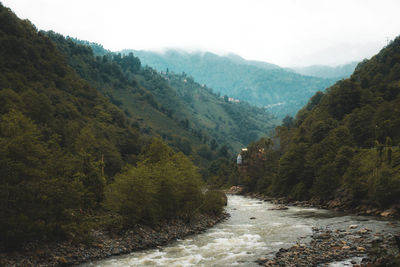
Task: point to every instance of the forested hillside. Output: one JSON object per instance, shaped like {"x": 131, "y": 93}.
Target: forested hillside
{"x": 266, "y": 85}
{"x": 187, "y": 115}
{"x": 69, "y": 160}
{"x": 342, "y": 145}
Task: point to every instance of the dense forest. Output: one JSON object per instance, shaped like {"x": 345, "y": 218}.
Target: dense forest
{"x": 342, "y": 145}
{"x": 70, "y": 159}
{"x": 190, "y": 117}
{"x": 281, "y": 91}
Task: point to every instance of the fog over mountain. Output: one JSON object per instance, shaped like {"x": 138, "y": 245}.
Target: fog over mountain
{"x": 281, "y": 91}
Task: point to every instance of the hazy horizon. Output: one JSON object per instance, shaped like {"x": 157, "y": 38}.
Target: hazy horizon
{"x": 288, "y": 33}
{"x": 227, "y": 54}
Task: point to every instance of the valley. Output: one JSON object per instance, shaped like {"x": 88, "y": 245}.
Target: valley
{"x": 124, "y": 157}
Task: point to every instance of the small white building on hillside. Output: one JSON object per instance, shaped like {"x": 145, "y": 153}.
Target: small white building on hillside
{"x": 239, "y": 159}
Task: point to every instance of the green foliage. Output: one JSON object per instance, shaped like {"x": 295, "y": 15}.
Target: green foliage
{"x": 35, "y": 202}
{"x": 261, "y": 165}
{"x": 345, "y": 138}
{"x": 132, "y": 195}
{"x": 326, "y": 181}
{"x": 291, "y": 168}
{"x": 184, "y": 113}
{"x": 299, "y": 191}
{"x": 259, "y": 83}
{"x": 65, "y": 148}
{"x": 164, "y": 184}
{"x": 287, "y": 121}
{"x": 369, "y": 179}
{"x": 213, "y": 202}
{"x": 222, "y": 172}
{"x": 343, "y": 97}
{"x": 360, "y": 125}
{"x": 385, "y": 186}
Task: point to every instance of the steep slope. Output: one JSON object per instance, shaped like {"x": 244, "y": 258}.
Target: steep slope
{"x": 61, "y": 141}
{"x": 343, "y": 144}
{"x": 263, "y": 84}
{"x": 338, "y": 72}
{"x": 69, "y": 161}
{"x": 175, "y": 107}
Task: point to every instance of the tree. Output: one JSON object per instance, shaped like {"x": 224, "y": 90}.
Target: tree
{"x": 291, "y": 167}
{"x": 133, "y": 195}
{"x": 213, "y": 144}
{"x": 314, "y": 100}
{"x": 34, "y": 203}
{"x": 343, "y": 98}
{"x": 23, "y": 153}
{"x": 223, "y": 151}
{"x": 360, "y": 125}
{"x": 164, "y": 184}
{"x": 287, "y": 121}
{"x": 389, "y": 150}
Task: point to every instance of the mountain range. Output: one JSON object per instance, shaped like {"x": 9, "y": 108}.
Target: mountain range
{"x": 189, "y": 116}
{"x": 328, "y": 72}
{"x": 281, "y": 91}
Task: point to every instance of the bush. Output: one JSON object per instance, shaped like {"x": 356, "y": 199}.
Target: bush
{"x": 213, "y": 202}
{"x": 163, "y": 185}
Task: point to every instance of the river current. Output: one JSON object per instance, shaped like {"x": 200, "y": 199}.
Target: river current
{"x": 251, "y": 232}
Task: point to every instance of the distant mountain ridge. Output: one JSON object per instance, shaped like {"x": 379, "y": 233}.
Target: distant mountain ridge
{"x": 267, "y": 85}
{"x": 322, "y": 71}
{"x": 261, "y": 64}
{"x": 190, "y": 116}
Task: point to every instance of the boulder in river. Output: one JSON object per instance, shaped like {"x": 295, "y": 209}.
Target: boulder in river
{"x": 235, "y": 190}
{"x": 389, "y": 213}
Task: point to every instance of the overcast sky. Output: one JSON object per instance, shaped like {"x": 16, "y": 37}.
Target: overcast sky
{"x": 283, "y": 32}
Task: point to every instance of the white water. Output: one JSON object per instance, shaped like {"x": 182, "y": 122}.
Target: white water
{"x": 240, "y": 241}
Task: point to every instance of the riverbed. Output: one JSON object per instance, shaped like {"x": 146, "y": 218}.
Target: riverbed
{"x": 252, "y": 231}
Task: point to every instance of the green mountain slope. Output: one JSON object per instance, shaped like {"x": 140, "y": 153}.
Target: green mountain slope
{"x": 70, "y": 162}
{"x": 61, "y": 140}
{"x": 338, "y": 72}
{"x": 170, "y": 105}
{"x": 263, "y": 84}
{"x": 342, "y": 145}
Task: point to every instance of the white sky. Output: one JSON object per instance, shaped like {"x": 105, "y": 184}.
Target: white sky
{"x": 283, "y": 32}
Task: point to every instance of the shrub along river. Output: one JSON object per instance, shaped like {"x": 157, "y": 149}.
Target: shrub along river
{"x": 252, "y": 232}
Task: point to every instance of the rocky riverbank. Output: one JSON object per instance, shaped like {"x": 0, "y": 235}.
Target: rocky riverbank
{"x": 337, "y": 204}
{"x": 359, "y": 247}
{"x": 105, "y": 244}
{"x": 345, "y": 247}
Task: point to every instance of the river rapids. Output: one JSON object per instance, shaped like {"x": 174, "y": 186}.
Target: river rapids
{"x": 252, "y": 231}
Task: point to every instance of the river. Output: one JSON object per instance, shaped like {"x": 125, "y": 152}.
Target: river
{"x": 251, "y": 232}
